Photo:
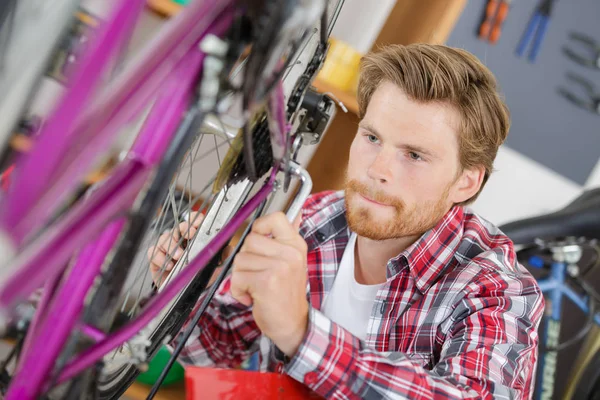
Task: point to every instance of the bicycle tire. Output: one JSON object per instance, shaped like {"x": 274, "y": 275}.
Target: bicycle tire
{"x": 113, "y": 385}
{"x": 588, "y": 385}
{"x": 127, "y": 375}
{"x": 113, "y": 279}
{"x": 117, "y": 383}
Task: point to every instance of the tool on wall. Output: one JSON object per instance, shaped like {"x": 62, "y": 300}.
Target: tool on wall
{"x": 591, "y": 100}
{"x": 536, "y": 30}
{"x": 592, "y": 58}
{"x": 495, "y": 14}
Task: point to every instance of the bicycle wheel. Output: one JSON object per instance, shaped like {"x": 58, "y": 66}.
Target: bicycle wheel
{"x": 120, "y": 367}
{"x": 127, "y": 275}
{"x": 587, "y": 383}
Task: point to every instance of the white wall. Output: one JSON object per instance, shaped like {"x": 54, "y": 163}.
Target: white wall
{"x": 520, "y": 187}
{"x": 359, "y": 23}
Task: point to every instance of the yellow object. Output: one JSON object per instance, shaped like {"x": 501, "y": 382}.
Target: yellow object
{"x": 167, "y": 8}
{"x": 341, "y": 66}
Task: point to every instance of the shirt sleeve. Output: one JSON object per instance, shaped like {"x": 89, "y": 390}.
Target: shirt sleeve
{"x": 225, "y": 334}
{"x": 490, "y": 351}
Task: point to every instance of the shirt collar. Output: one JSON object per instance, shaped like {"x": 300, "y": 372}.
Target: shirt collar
{"x": 429, "y": 257}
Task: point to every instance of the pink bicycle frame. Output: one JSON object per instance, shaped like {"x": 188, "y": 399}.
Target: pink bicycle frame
{"x": 167, "y": 71}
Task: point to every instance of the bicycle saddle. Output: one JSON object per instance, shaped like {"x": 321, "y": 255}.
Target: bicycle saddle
{"x": 580, "y": 218}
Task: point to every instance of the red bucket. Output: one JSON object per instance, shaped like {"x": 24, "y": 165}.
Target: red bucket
{"x": 230, "y": 384}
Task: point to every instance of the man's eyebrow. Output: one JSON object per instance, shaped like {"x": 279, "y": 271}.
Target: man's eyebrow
{"x": 409, "y": 147}
{"x": 368, "y": 127}
{"x": 416, "y": 149}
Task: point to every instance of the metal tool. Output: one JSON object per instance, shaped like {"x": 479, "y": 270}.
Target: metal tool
{"x": 538, "y": 25}
{"x": 495, "y": 14}
{"x": 591, "y": 101}
{"x": 592, "y": 58}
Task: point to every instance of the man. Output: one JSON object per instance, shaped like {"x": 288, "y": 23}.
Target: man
{"x": 410, "y": 295}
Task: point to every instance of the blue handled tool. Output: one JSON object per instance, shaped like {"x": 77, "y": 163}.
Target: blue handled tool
{"x": 538, "y": 25}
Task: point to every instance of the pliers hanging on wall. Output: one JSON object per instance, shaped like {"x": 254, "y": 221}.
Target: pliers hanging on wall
{"x": 592, "y": 59}
{"x": 591, "y": 103}
{"x": 538, "y": 25}
{"x": 495, "y": 14}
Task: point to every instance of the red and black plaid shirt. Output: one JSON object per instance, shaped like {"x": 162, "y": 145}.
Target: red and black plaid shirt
{"x": 457, "y": 318}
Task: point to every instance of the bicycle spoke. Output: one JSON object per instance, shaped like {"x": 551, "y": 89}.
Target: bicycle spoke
{"x": 174, "y": 208}
{"x": 172, "y": 245}
{"x": 218, "y": 210}
{"x": 217, "y": 150}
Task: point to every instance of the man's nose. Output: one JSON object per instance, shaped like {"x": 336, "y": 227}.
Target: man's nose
{"x": 379, "y": 170}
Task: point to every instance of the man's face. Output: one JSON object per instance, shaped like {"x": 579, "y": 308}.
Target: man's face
{"x": 403, "y": 171}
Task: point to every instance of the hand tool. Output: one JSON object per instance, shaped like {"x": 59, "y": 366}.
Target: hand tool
{"x": 538, "y": 25}
{"x": 495, "y": 14}
{"x": 591, "y": 101}
{"x": 592, "y": 58}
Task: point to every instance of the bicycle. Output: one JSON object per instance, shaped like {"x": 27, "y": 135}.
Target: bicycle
{"x": 555, "y": 243}
{"x": 216, "y": 70}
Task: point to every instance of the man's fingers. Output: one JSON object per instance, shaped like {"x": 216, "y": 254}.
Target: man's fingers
{"x": 276, "y": 225}
{"x": 263, "y": 245}
{"x": 187, "y": 230}
{"x": 242, "y": 297}
{"x": 196, "y": 219}
{"x": 245, "y": 261}
{"x": 170, "y": 245}
{"x": 241, "y": 286}
{"x": 297, "y": 222}
{"x": 167, "y": 242}
{"x": 161, "y": 260}
{"x": 168, "y": 251}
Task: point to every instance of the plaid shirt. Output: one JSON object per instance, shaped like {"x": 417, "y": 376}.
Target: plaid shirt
{"x": 456, "y": 318}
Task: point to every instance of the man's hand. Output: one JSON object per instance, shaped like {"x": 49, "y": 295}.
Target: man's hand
{"x": 168, "y": 251}
{"x": 270, "y": 273}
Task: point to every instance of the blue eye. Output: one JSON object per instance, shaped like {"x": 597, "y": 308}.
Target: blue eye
{"x": 372, "y": 138}
{"x": 414, "y": 156}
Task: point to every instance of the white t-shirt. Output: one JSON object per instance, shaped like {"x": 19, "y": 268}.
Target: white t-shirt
{"x": 349, "y": 304}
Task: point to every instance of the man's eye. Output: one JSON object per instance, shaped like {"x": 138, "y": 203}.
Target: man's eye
{"x": 372, "y": 138}
{"x": 414, "y": 156}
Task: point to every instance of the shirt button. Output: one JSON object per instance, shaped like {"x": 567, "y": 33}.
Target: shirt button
{"x": 279, "y": 368}
{"x": 310, "y": 378}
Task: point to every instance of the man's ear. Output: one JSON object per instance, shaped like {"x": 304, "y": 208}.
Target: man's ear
{"x": 467, "y": 184}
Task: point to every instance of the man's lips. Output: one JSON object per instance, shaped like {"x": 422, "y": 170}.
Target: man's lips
{"x": 373, "y": 201}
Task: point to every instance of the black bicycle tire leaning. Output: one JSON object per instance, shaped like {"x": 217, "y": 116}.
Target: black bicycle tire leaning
{"x": 588, "y": 384}
{"x": 107, "y": 294}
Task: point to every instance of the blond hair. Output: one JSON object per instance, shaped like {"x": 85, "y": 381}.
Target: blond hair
{"x": 437, "y": 73}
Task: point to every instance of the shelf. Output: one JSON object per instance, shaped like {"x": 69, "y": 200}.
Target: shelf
{"x": 349, "y": 99}
{"x": 166, "y": 8}
{"x": 139, "y": 391}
